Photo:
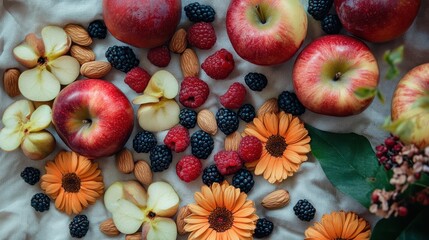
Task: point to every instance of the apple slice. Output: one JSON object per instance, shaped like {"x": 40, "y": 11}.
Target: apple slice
{"x": 163, "y": 199}
{"x": 26, "y": 55}
{"x": 40, "y": 118}
{"x": 17, "y": 113}
{"x": 56, "y": 41}
{"x": 129, "y": 190}
{"x": 10, "y": 138}
{"x": 155, "y": 117}
{"x": 160, "y": 228}
{"x": 162, "y": 84}
{"x": 127, "y": 217}
{"x": 142, "y": 99}
{"x": 38, "y": 145}
{"x": 38, "y": 84}
{"x": 65, "y": 69}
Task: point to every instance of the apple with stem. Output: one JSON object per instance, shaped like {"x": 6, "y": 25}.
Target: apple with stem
{"x": 93, "y": 117}
{"x": 329, "y": 71}
{"x": 266, "y": 32}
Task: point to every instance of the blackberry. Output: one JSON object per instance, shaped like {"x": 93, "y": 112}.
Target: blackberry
{"x": 187, "y": 117}
{"x": 31, "y": 175}
{"x": 289, "y": 103}
{"x": 256, "y": 81}
{"x": 211, "y": 175}
{"x": 304, "y": 210}
{"x": 247, "y": 113}
{"x": 160, "y": 158}
{"x": 122, "y": 58}
{"x": 144, "y": 141}
{"x": 264, "y": 228}
{"x": 79, "y": 226}
{"x": 40, "y": 202}
{"x": 199, "y": 13}
{"x": 97, "y": 29}
{"x": 202, "y": 144}
{"x": 243, "y": 179}
{"x": 318, "y": 9}
{"x": 331, "y": 24}
{"x": 227, "y": 120}
{"x": 387, "y": 151}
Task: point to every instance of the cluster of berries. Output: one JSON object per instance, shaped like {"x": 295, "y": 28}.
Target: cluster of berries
{"x": 319, "y": 10}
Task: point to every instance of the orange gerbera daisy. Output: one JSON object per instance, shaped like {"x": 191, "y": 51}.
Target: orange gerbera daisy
{"x": 285, "y": 145}
{"x": 339, "y": 225}
{"x": 221, "y": 212}
{"x": 73, "y": 181}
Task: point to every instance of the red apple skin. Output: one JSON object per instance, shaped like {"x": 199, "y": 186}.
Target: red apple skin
{"x": 142, "y": 23}
{"x": 315, "y": 69}
{"x": 108, "y": 110}
{"x": 271, "y": 43}
{"x": 377, "y": 20}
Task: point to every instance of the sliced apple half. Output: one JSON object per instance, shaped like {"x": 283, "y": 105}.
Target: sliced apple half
{"x": 65, "y": 69}
{"x": 38, "y": 145}
{"x": 56, "y": 41}
{"x": 162, "y": 84}
{"x": 160, "y": 228}
{"x": 127, "y": 217}
{"x": 130, "y": 190}
{"x": 142, "y": 99}
{"x": 38, "y": 84}
{"x": 17, "y": 113}
{"x": 163, "y": 199}
{"x": 160, "y": 116}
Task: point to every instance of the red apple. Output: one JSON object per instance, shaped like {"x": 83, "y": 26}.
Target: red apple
{"x": 329, "y": 70}
{"x": 411, "y": 102}
{"x": 93, "y": 117}
{"x": 377, "y": 20}
{"x": 142, "y": 23}
{"x": 266, "y": 32}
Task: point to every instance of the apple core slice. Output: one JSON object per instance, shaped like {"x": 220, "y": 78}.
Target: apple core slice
{"x": 161, "y": 229}
{"x": 56, "y": 41}
{"x": 127, "y": 217}
{"x": 38, "y": 84}
{"x": 65, "y": 69}
{"x": 155, "y": 117}
{"x": 142, "y": 99}
{"x": 162, "y": 84}
{"x": 26, "y": 55}
{"x": 10, "y": 138}
{"x": 41, "y": 118}
{"x": 18, "y": 112}
{"x": 38, "y": 145}
{"x": 163, "y": 199}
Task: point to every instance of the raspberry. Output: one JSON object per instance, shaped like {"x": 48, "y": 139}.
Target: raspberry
{"x": 319, "y": 8}
{"x": 199, "y": 13}
{"x": 227, "y": 121}
{"x": 122, "y": 58}
{"x": 234, "y": 96}
{"x": 193, "y": 92}
{"x": 227, "y": 162}
{"x": 189, "y": 168}
{"x": 331, "y": 24}
{"x": 202, "y": 144}
{"x": 159, "y": 56}
{"x": 202, "y": 35}
{"x": 219, "y": 65}
{"x": 137, "y": 79}
{"x": 250, "y": 149}
{"x": 177, "y": 138}
{"x": 289, "y": 103}
{"x": 256, "y": 81}
{"x": 187, "y": 118}
{"x": 246, "y": 113}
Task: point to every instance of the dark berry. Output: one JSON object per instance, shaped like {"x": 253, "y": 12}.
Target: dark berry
{"x": 331, "y": 24}
{"x": 243, "y": 179}
{"x": 79, "y": 226}
{"x": 387, "y": 152}
{"x": 227, "y": 120}
{"x": 187, "y": 118}
{"x": 304, "y": 210}
{"x": 144, "y": 141}
{"x": 122, "y": 58}
{"x": 31, "y": 175}
{"x": 247, "y": 112}
{"x": 202, "y": 144}
{"x": 97, "y": 29}
{"x": 211, "y": 175}
{"x": 160, "y": 158}
{"x": 256, "y": 81}
{"x": 199, "y": 13}
{"x": 264, "y": 228}
{"x": 318, "y": 9}
{"x": 289, "y": 103}
{"x": 40, "y": 202}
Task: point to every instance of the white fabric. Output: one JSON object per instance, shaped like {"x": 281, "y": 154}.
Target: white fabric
{"x": 18, "y": 220}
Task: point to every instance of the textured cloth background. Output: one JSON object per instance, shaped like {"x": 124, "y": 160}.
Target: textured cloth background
{"x": 18, "y": 220}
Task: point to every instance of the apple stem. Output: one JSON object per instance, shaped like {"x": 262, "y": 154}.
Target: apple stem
{"x": 260, "y": 14}
{"x": 337, "y": 76}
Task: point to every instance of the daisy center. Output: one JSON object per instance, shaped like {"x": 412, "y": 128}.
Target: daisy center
{"x": 276, "y": 145}
{"x": 71, "y": 182}
{"x": 221, "y": 219}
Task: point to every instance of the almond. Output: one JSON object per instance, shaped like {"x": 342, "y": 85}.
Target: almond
{"x": 143, "y": 172}
{"x": 108, "y": 227}
{"x": 95, "y": 69}
{"x": 38, "y": 104}
{"x": 178, "y": 42}
{"x": 78, "y": 34}
{"x": 10, "y": 82}
{"x": 232, "y": 141}
{"x": 276, "y": 199}
{"x": 180, "y": 220}
{"x": 189, "y": 63}
{"x": 207, "y": 122}
{"x": 82, "y": 54}
{"x": 270, "y": 106}
{"x": 134, "y": 236}
{"x": 125, "y": 161}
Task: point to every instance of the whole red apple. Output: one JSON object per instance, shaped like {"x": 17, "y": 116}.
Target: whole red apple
{"x": 411, "y": 102}
{"x": 93, "y": 117}
{"x": 377, "y": 20}
{"x": 266, "y": 32}
{"x": 142, "y": 23}
{"x": 329, "y": 70}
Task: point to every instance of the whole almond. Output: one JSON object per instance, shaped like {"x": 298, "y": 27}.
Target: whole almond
{"x": 125, "y": 161}
{"x": 178, "y": 42}
{"x": 95, "y": 69}
{"x": 78, "y": 34}
{"x": 108, "y": 227}
{"x": 270, "y": 106}
{"x": 82, "y": 54}
{"x": 207, "y": 122}
{"x": 232, "y": 141}
{"x": 180, "y": 220}
{"x": 10, "y": 82}
{"x": 189, "y": 63}
{"x": 143, "y": 172}
{"x": 276, "y": 199}
{"x": 134, "y": 236}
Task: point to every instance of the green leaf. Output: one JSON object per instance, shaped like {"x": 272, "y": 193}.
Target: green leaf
{"x": 349, "y": 162}
{"x": 380, "y": 96}
{"x": 365, "y": 92}
{"x": 393, "y": 58}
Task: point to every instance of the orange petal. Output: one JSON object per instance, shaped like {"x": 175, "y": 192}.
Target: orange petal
{"x": 232, "y": 234}
{"x": 261, "y": 128}
{"x": 242, "y": 232}
{"x": 51, "y": 168}
{"x": 255, "y": 133}
{"x": 229, "y": 197}
{"x": 244, "y": 212}
{"x": 239, "y": 203}
{"x": 262, "y": 164}
{"x": 196, "y": 219}
{"x": 194, "y": 227}
{"x": 291, "y": 156}
{"x": 208, "y": 195}
{"x": 218, "y": 196}
{"x": 200, "y": 231}
{"x": 300, "y": 149}
{"x": 271, "y": 122}
{"x": 198, "y": 210}
{"x": 278, "y": 169}
{"x": 202, "y": 201}
{"x": 53, "y": 189}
